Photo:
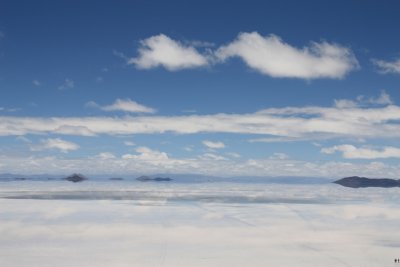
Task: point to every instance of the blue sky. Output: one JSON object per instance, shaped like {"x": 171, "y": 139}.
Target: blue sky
{"x": 249, "y": 88}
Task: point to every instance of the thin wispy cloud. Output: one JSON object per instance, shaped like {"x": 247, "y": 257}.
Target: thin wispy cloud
{"x": 233, "y": 155}
{"x": 361, "y": 100}
{"x": 387, "y": 66}
{"x": 126, "y": 105}
{"x": 162, "y": 51}
{"x": 352, "y": 152}
{"x": 129, "y": 143}
{"x": 55, "y": 143}
{"x": 24, "y": 139}
{"x": 147, "y": 154}
{"x": 211, "y": 156}
{"x": 213, "y": 144}
{"x": 271, "y": 56}
{"x": 9, "y": 109}
{"x": 105, "y": 156}
{"x": 120, "y": 55}
{"x": 279, "y": 156}
{"x": 67, "y": 84}
{"x": 36, "y": 83}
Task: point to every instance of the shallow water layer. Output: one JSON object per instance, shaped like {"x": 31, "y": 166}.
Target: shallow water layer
{"x": 56, "y": 223}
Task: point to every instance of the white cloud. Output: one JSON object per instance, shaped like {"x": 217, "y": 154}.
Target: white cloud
{"x": 388, "y": 66}
{"x": 119, "y": 55}
{"x": 233, "y": 155}
{"x": 147, "y": 154}
{"x": 36, "y": 83}
{"x": 126, "y": 105}
{"x": 55, "y": 143}
{"x": 352, "y": 152}
{"x": 160, "y": 50}
{"x": 148, "y": 161}
{"x": 287, "y": 123}
{"x": 188, "y": 148}
{"x": 363, "y": 101}
{"x": 211, "y": 156}
{"x": 271, "y": 56}
{"x": 201, "y": 44}
{"x": 92, "y": 104}
{"x": 24, "y": 139}
{"x": 345, "y": 103}
{"x": 129, "y": 143}
{"x": 74, "y": 130}
{"x": 214, "y": 145}
{"x": 106, "y": 156}
{"x": 67, "y": 84}
{"x": 9, "y": 109}
{"x": 383, "y": 99}
{"x": 279, "y": 156}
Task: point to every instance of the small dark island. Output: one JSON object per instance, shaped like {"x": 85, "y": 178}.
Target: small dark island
{"x": 75, "y": 178}
{"x": 361, "y": 182}
{"x": 156, "y": 179}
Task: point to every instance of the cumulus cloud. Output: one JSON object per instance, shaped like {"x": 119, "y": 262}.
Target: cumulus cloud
{"x": 214, "y": 145}
{"x": 271, "y": 56}
{"x": 352, "y": 152}
{"x": 126, "y": 105}
{"x": 162, "y": 51}
{"x": 387, "y": 66}
{"x": 67, "y": 84}
{"x": 55, "y": 143}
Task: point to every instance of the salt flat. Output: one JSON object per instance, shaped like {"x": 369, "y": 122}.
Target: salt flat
{"x": 217, "y": 224}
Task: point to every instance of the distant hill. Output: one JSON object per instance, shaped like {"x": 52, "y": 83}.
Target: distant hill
{"x": 360, "y": 182}
{"x": 75, "y": 178}
{"x": 156, "y": 179}
{"x": 33, "y": 177}
{"x": 175, "y": 177}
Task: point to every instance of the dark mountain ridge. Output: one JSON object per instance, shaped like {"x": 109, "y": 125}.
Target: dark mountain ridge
{"x": 75, "y": 178}
{"x": 361, "y": 182}
{"x": 155, "y": 179}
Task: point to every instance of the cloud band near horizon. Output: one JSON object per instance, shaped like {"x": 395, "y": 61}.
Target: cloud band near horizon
{"x": 291, "y": 122}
